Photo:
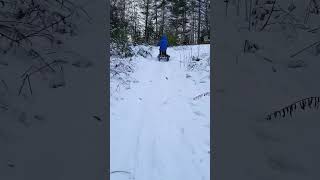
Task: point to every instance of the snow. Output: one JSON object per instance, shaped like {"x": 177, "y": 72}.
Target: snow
{"x": 66, "y": 142}
{"x": 247, "y": 88}
{"x": 158, "y": 129}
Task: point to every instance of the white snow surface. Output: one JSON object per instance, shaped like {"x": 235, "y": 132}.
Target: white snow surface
{"x": 159, "y": 130}
{"x": 247, "y": 87}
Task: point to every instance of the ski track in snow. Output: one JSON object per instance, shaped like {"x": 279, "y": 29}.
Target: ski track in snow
{"x": 158, "y": 132}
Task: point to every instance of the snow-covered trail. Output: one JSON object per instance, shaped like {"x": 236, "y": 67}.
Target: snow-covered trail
{"x": 158, "y": 132}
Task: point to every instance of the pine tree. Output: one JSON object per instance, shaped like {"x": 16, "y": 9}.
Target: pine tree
{"x": 145, "y": 21}
{"x": 146, "y": 12}
{"x": 119, "y": 27}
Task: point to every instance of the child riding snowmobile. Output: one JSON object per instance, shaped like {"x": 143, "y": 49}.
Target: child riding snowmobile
{"x": 163, "y": 48}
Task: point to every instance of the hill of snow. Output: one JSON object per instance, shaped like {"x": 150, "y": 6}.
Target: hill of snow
{"x": 160, "y": 121}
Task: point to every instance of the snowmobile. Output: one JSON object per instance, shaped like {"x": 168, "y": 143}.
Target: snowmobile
{"x": 164, "y": 57}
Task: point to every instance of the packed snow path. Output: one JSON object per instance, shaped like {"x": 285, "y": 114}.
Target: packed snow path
{"x": 158, "y": 131}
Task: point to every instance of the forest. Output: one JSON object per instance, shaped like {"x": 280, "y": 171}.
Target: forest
{"x": 185, "y": 22}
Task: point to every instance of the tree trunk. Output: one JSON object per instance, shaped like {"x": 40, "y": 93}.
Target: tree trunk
{"x": 193, "y": 28}
{"x": 146, "y": 34}
{"x": 162, "y": 20}
{"x": 135, "y": 25}
{"x": 207, "y": 18}
{"x": 184, "y": 23}
{"x": 199, "y": 20}
{"x": 156, "y": 18}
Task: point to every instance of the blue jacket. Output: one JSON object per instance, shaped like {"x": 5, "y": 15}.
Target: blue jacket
{"x": 163, "y": 43}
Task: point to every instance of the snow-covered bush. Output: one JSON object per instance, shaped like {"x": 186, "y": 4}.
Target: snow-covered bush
{"x": 38, "y": 56}
{"x": 120, "y": 71}
{"x": 31, "y": 24}
{"x": 33, "y": 33}
{"x": 122, "y": 50}
{"x": 303, "y": 104}
{"x": 198, "y": 64}
{"x": 195, "y": 58}
{"x": 122, "y": 64}
{"x": 144, "y": 51}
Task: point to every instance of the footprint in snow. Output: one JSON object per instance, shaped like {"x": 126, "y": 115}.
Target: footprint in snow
{"x": 198, "y": 113}
{"x": 11, "y": 164}
{"x": 193, "y": 151}
{"x": 39, "y": 117}
{"x": 97, "y": 118}
{"x": 182, "y": 130}
{"x": 165, "y": 101}
{"x": 206, "y": 126}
